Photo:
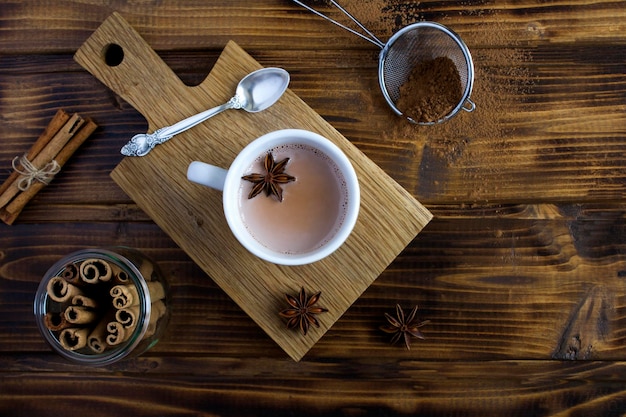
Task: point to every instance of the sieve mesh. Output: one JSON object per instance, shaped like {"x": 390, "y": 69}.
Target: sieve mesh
{"x": 418, "y": 43}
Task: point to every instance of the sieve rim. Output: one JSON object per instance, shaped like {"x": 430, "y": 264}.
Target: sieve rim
{"x": 465, "y": 99}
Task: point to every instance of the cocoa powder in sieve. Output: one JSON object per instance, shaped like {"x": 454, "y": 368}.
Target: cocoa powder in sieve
{"x": 432, "y": 91}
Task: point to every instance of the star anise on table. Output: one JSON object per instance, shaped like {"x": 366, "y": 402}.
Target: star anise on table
{"x": 302, "y": 311}
{"x": 403, "y": 327}
{"x": 271, "y": 181}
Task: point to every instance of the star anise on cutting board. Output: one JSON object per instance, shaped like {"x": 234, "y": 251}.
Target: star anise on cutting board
{"x": 403, "y": 327}
{"x": 271, "y": 181}
{"x": 302, "y": 311}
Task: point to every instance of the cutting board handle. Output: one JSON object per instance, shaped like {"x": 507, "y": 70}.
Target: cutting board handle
{"x": 121, "y": 59}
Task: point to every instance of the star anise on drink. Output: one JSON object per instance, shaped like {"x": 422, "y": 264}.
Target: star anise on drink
{"x": 302, "y": 311}
{"x": 403, "y": 327}
{"x": 271, "y": 181}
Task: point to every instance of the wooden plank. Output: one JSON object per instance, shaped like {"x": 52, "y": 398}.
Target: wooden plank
{"x": 34, "y": 27}
{"x": 493, "y": 286}
{"x": 376, "y": 387}
{"x": 539, "y": 133}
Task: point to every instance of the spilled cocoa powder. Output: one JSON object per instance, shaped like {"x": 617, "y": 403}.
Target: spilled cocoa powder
{"x": 432, "y": 91}
{"x": 473, "y": 148}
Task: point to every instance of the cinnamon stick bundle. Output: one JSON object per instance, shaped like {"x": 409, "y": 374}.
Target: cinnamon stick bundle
{"x": 97, "y": 311}
{"x": 36, "y": 168}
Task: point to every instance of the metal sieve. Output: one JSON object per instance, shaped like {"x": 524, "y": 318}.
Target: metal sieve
{"x": 407, "y": 48}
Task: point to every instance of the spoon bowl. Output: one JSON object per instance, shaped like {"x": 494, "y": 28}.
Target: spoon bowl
{"x": 255, "y": 92}
{"x": 268, "y": 87}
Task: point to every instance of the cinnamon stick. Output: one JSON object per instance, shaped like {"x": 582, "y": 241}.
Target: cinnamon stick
{"x": 97, "y": 338}
{"x": 128, "y": 317}
{"x": 158, "y": 310}
{"x": 121, "y": 277}
{"x": 74, "y": 338}
{"x": 116, "y": 333}
{"x": 70, "y": 274}
{"x": 15, "y": 207}
{"x": 57, "y": 122}
{"x": 146, "y": 270}
{"x": 61, "y": 291}
{"x": 56, "y": 322}
{"x": 94, "y": 270}
{"x": 84, "y": 301}
{"x": 156, "y": 290}
{"x": 80, "y": 315}
{"x": 124, "y": 296}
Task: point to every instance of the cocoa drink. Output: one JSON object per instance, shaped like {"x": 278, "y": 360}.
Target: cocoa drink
{"x": 313, "y": 205}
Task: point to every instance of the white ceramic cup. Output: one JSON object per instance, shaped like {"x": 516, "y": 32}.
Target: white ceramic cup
{"x": 229, "y": 182}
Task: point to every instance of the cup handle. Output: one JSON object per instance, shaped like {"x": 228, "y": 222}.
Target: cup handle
{"x": 208, "y": 175}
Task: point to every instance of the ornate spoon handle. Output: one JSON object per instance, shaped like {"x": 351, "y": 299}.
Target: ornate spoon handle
{"x": 141, "y": 144}
{"x": 166, "y": 133}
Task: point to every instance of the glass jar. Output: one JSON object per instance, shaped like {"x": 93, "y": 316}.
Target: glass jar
{"x": 98, "y": 306}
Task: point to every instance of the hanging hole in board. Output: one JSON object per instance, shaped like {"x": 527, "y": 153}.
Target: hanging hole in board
{"x": 113, "y": 55}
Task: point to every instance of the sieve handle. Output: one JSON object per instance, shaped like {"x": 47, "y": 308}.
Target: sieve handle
{"x": 471, "y": 106}
{"x": 370, "y": 37}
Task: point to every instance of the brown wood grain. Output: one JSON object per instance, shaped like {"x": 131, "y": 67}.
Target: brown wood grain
{"x": 517, "y": 288}
{"x": 279, "y": 24}
{"x": 219, "y": 387}
{"x": 520, "y": 272}
{"x": 519, "y": 153}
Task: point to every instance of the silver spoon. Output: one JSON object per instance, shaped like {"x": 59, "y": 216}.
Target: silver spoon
{"x": 255, "y": 92}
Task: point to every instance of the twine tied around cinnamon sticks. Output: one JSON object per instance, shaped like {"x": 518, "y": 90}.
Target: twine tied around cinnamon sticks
{"x": 36, "y": 168}
{"x": 30, "y": 172}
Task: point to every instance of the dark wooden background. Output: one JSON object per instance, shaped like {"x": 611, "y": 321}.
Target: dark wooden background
{"x": 521, "y": 272}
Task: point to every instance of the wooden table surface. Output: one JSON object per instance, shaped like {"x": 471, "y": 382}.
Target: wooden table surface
{"x": 521, "y": 272}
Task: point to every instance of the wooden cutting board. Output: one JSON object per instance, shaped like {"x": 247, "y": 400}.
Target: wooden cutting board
{"x": 192, "y": 215}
